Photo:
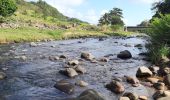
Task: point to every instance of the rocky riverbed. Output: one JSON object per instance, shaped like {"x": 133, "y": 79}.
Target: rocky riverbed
{"x": 32, "y": 69}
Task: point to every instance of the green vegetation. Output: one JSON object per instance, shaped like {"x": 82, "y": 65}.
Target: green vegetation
{"x": 112, "y": 19}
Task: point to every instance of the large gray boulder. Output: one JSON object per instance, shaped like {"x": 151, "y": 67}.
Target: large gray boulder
{"x": 124, "y": 55}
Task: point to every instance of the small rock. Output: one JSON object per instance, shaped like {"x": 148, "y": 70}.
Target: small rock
{"x": 81, "y": 83}
{"x": 115, "y": 87}
{"x": 53, "y": 58}
{"x": 139, "y": 46}
{"x": 80, "y": 69}
{"x": 154, "y": 69}
{"x": 87, "y": 56}
{"x": 33, "y": 44}
{"x": 124, "y": 55}
{"x": 143, "y": 98}
{"x": 152, "y": 80}
{"x": 131, "y": 96}
{"x": 104, "y": 59}
{"x": 124, "y": 98}
{"x": 70, "y": 72}
{"x": 159, "y": 86}
{"x": 63, "y": 56}
{"x": 90, "y": 95}
{"x": 53, "y": 46}
{"x": 73, "y": 62}
{"x": 2, "y": 75}
{"x": 64, "y": 86}
{"x": 5, "y": 68}
{"x": 24, "y": 58}
{"x": 164, "y": 71}
{"x": 143, "y": 72}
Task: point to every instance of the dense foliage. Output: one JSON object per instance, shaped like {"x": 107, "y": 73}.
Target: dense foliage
{"x": 160, "y": 34}
{"x": 7, "y": 7}
{"x": 112, "y": 18}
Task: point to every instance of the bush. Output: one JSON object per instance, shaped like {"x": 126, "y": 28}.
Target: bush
{"x": 7, "y": 7}
{"x": 160, "y": 34}
{"x": 117, "y": 27}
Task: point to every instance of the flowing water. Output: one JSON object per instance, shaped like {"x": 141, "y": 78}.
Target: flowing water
{"x": 34, "y": 78}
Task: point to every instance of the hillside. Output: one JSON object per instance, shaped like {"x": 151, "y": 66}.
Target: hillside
{"x": 42, "y": 15}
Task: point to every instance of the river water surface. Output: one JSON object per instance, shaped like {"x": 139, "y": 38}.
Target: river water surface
{"x": 34, "y": 78}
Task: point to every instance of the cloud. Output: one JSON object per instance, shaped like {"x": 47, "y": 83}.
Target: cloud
{"x": 145, "y": 1}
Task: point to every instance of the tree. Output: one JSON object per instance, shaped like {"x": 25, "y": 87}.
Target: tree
{"x": 7, "y": 7}
{"x": 144, "y": 23}
{"x": 161, "y": 7}
{"x": 112, "y": 18}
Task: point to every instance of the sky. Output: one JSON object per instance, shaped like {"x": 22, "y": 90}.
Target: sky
{"x": 134, "y": 11}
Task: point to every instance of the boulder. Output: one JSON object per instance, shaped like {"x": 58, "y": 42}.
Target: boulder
{"x": 70, "y": 72}
{"x": 143, "y": 72}
{"x": 124, "y": 55}
{"x": 87, "y": 56}
{"x": 164, "y": 71}
{"x": 159, "y": 86}
{"x": 81, "y": 83}
{"x": 73, "y": 62}
{"x": 2, "y": 75}
{"x": 115, "y": 87}
{"x": 124, "y": 98}
{"x": 131, "y": 96}
{"x": 80, "y": 69}
{"x": 90, "y": 95}
{"x": 64, "y": 86}
{"x": 135, "y": 82}
{"x": 154, "y": 69}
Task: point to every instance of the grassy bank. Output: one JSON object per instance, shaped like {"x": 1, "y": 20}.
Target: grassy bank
{"x": 32, "y": 34}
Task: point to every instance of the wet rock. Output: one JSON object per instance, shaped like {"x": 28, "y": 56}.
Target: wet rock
{"x": 90, "y": 95}
{"x": 53, "y": 58}
{"x": 81, "y": 83}
{"x": 166, "y": 80}
{"x": 104, "y": 59}
{"x": 143, "y": 72}
{"x": 108, "y": 55}
{"x": 135, "y": 82}
{"x": 101, "y": 39}
{"x": 139, "y": 46}
{"x": 70, "y": 72}
{"x": 131, "y": 96}
{"x": 4, "y": 68}
{"x": 152, "y": 80}
{"x": 80, "y": 69}
{"x": 73, "y": 62}
{"x": 64, "y": 86}
{"x": 143, "y": 98}
{"x": 160, "y": 94}
{"x": 53, "y": 46}
{"x": 63, "y": 56}
{"x": 115, "y": 87}
{"x": 2, "y": 75}
{"x": 24, "y": 58}
{"x": 87, "y": 56}
{"x": 124, "y": 55}
{"x": 164, "y": 71}
{"x": 128, "y": 45}
{"x": 159, "y": 86}
{"x": 124, "y": 98}
{"x": 33, "y": 44}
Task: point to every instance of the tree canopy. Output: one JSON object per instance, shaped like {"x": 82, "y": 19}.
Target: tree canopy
{"x": 112, "y": 18}
{"x": 161, "y": 7}
{"x": 7, "y": 7}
